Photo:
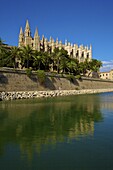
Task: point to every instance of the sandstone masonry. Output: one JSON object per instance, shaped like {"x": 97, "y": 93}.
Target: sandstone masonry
{"x": 79, "y": 52}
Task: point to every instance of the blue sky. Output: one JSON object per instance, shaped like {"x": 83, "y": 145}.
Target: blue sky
{"x": 79, "y": 21}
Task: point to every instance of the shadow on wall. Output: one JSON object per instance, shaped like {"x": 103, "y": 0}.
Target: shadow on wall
{"x": 49, "y": 84}
{"x": 3, "y": 79}
{"x": 75, "y": 82}
{"x": 33, "y": 78}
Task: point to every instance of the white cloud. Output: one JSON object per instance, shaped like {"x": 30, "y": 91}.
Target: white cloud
{"x": 108, "y": 62}
{"x": 107, "y": 66}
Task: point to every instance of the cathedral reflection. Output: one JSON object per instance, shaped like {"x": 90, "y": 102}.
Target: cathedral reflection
{"x": 34, "y": 124}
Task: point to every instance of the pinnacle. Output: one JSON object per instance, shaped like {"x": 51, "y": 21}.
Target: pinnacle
{"x": 36, "y": 33}
{"x": 21, "y": 31}
{"x": 27, "y": 25}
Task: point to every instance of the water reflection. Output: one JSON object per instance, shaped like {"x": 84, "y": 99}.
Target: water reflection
{"x": 33, "y": 124}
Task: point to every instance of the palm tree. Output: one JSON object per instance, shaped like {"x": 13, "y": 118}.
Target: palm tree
{"x": 27, "y": 54}
{"x": 14, "y": 56}
{"x": 58, "y": 55}
{"x": 83, "y": 67}
{"x": 2, "y": 49}
{"x": 4, "y": 53}
{"x": 94, "y": 65}
{"x": 37, "y": 60}
{"x": 1, "y": 43}
{"x": 64, "y": 65}
{"x": 73, "y": 66}
{"x": 56, "y": 58}
{"x": 47, "y": 61}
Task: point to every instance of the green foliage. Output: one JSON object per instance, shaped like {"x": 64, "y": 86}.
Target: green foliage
{"x": 57, "y": 61}
{"x": 13, "y": 56}
{"x": 29, "y": 72}
{"x": 41, "y": 76}
{"x": 78, "y": 76}
{"x": 26, "y": 56}
{"x": 94, "y": 65}
{"x": 71, "y": 78}
{"x": 60, "y": 59}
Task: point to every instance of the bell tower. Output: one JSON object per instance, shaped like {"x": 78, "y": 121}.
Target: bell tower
{"x": 27, "y": 34}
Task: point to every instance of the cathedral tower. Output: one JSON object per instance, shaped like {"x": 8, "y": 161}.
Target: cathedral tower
{"x": 27, "y": 34}
{"x": 36, "y": 43}
{"x": 21, "y": 38}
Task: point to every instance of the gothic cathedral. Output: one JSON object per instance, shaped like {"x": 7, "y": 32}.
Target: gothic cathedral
{"x": 79, "y": 52}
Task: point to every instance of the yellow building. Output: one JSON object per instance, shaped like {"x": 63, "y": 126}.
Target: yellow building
{"x": 106, "y": 75}
{"x": 111, "y": 75}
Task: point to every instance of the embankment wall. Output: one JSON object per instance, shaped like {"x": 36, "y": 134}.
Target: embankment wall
{"x": 19, "y": 81}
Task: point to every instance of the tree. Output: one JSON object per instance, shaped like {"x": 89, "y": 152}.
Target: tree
{"x": 1, "y": 44}
{"x": 83, "y": 67}
{"x": 37, "y": 59}
{"x": 94, "y": 65}
{"x": 64, "y": 65}
{"x": 41, "y": 60}
{"x": 58, "y": 56}
{"x": 27, "y": 54}
{"x": 13, "y": 56}
{"x": 73, "y": 66}
{"x": 4, "y": 52}
{"x": 46, "y": 61}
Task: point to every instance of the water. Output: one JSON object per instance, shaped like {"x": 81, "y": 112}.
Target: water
{"x": 64, "y": 133}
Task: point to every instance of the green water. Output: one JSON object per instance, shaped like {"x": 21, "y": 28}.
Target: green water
{"x": 64, "y": 133}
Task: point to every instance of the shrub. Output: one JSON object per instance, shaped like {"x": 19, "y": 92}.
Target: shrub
{"x": 41, "y": 76}
{"x": 70, "y": 78}
{"x": 78, "y": 77}
{"x": 29, "y": 72}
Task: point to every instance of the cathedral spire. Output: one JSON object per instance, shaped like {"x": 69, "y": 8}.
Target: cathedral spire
{"x": 27, "y": 30}
{"x": 21, "y": 31}
{"x": 36, "y": 33}
{"x": 27, "y": 25}
{"x": 90, "y": 47}
{"x": 21, "y": 38}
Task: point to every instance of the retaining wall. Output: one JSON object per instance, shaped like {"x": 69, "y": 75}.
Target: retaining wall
{"x": 11, "y": 81}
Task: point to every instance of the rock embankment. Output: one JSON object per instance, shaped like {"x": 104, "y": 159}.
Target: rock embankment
{"x": 42, "y": 94}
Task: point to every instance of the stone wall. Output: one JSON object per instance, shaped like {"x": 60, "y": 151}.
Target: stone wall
{"x": 43, "y": 94}
{"x": 11, "y": 81}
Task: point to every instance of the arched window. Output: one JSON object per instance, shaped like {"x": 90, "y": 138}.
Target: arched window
{"x": 77, "y": 54}
{"x": 87, "y": 55}
{"x": 82, "y": 55}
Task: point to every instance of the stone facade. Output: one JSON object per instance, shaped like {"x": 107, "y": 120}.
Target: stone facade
{"x": 79, "y": 52}
{"x": 106, "y": 75}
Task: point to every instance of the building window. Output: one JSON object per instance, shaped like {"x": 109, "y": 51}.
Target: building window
{"x": 87, "y": 55}
{"x": 82, "y": 54}
{"x": 77, "y": 53}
